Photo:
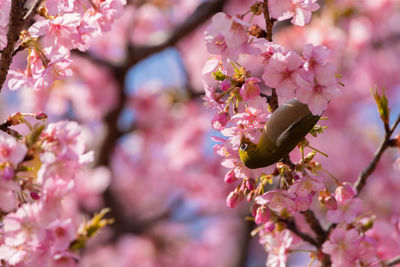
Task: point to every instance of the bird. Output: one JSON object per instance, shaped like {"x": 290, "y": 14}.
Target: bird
{"x": 286, "y": 127}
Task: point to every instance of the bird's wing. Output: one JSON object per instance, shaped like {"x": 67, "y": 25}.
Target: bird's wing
{"x": 284, "y": 118}
{"x": 297, "y": 131}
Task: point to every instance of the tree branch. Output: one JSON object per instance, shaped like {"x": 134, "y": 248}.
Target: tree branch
{"x": 362, "y": 178}
{"x": 15, "y": 24}
{"x": 269, "y": 22}
{"x": 18, "y": 20}
{"x": 315, "y": 225}
{"x": 31, "y": 13}
{"x": 135, "y": 54}
{"x": 393, "y": 261}
{"x": 200, "y": 15}
{"x": 291, "y": 225}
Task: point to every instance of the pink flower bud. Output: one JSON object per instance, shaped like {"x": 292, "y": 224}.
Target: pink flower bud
{"x": 220, "y": 120}
{"x": 262, "y": 215}
{"x": 225, "y": 85}
{"x": 344, "y": 192}
{"x": 250, "y": 184}
{"x": 35, "y": 195}
{"x": 331, "y": 203}
{"x": 230, "y": 177}
{"x": 40, "y": 116}
{"x": 250, "y": 196}
{"x": 8, "y": 173}
{"x": 250, "y": 89}
{"x": 233, "y": 199}
{"x": 269, "y": 226}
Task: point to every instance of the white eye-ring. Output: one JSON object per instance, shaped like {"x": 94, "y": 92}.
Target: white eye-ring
{"x": 244, "y": 146}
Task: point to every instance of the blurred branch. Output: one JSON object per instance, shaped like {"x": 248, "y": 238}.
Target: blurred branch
{"x": 362, "y": 178}
{"x": 291, "y": 225}
{"x": 245, "y": 243}
{"x": 391, "y": 39}
{"x": 134, "y": 226}
{"x": 315, "y": 225}
{"x": 392, "y": 262}
{"x": 93, "y": 58}
{"x": 200, "y": 15}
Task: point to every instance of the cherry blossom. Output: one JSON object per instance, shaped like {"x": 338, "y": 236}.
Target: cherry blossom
{"x": 278, "y": 201}
{"x": 281, "y": 73}
{"x": 317, "y": 88}
{"x": 300, "y": 10}
{"x": 227, "y": 37}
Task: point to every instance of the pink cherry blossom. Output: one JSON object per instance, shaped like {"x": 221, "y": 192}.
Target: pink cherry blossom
{"x": 277, "y": 200}
{"x": 60, "y": 6}
{"x": 262, "y": 214}
{"x": 46, "y": 74}
{"x": 64, "y": 150}
{"x": 347, "y": 212}
{"x": 281, "y": 71}
{"x": 341, "y": 246}
{"x": 306, "y": 186}
{"x": 278, "y": 245}
{"x": 300, "y": 10}
{"x": 316, "y": 88}
{"x": 61, "y": 31}
{"x": 314, "y": 55}
{"x": 10, "y": 150}
{"x": 268, "y": 49}
{"x": 4, "y": 13}
{"x": 250, "y": 89}
{"x": 344, "y": 192}
{"x": 227, "y": 37}
{"x": 220, "y": 120}
{"x": 90, "y": 183}
{"x": 347, "y": 248}
{"x": 19, "y": 79}
{"x": 104, "y": 12}
{"x": 9, "y": 192}
{"x": 63, "y": 232}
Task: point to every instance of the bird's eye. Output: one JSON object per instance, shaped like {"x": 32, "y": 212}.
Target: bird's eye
{"x": 244, "y": 146}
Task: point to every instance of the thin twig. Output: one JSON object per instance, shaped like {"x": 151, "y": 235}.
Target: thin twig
{"x": 362, "y": 178}
{"x": 291, "y": 225}
{"x": 200, "y": 15}
{"x": 315, "y": 225}
{"x": 31, "y": 13}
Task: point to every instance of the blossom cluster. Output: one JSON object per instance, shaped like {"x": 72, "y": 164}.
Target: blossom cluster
{"x": 240, "y": 100}
{"x": 38, "y": 173}
{"x": 61, "y": 26}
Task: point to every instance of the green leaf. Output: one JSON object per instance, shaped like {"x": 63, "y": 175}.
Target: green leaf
{"x": 382, "y": 104}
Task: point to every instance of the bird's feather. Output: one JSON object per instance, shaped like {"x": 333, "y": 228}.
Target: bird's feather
{"x": 284, "y": 118}
{"x": 293, "y": 135}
